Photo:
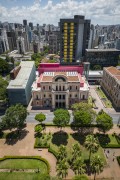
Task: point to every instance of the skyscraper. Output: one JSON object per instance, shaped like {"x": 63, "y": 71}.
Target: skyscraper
{"x": 24, "y": 22}
{"x": 31, "y": 25}
{"x": 74, "y": 38}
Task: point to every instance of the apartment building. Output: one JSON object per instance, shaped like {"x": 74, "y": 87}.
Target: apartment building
{"x": 74, "y": 39}
{"x": 111, "y": 85}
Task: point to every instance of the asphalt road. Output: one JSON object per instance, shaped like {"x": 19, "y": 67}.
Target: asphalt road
{"x": 50, "y": 116}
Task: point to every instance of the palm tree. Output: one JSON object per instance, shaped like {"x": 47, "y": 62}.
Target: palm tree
{"x": 79, "y": 166}
{"x": 97, "y": 165}
{"x": 62, "y": 168}
{"x": 75, "y": 151}
{"x": 62, "y": 153}
{"x": 91, "y": 143}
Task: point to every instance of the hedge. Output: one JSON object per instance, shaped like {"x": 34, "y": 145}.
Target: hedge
{"x": 28, "y": 157}
{"x": 73, "y": 125}
{"x": 118, "y": 139}
{"x": 118, "y": 159}
{"x": 53, "y": 152}
{"x": 40, "y": 146}
{"x": 111, "y": 146}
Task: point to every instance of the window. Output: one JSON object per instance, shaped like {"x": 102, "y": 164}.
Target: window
{"x": 49, "y": 95}
{"x": 70, "y": 95}
{"x": 70, "y": 87}
{"x": 43, "y": 87}
{"x": 76, "y": 87}
{"x": 56, "y": 96}
{"x": 37, "y": 97}
{"x": 49, "y": 87}
{"x": 44, "y": 95}
{"x": 76, "y": 95}
{"x": 56, "y": 88}
{"x": 59, "y": 88}
{"x": 63, "y": 88}
{"x": 59, "y": 96}
{"x": 63, "y": 96}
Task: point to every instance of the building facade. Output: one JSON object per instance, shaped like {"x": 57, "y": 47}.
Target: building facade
{"x": 111, "y": 85}
{"x": 74, "y": 37}
{"x": 19, "y": 89}
{"x": 102, "y": 57}
{"x": 59, "y": 87}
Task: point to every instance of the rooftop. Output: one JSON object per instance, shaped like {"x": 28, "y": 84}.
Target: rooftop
{"x": 102, "y": 50}
{"x": 22, "y": 78}
{"x": 114, "y": 72}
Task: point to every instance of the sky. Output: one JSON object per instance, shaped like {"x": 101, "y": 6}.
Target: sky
{"x": 102, "y": 12}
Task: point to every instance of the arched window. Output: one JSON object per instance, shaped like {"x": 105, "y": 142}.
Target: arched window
{"x": 60, "y": 78}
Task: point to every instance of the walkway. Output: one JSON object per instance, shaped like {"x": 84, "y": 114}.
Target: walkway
{"x": 25, "y": 147}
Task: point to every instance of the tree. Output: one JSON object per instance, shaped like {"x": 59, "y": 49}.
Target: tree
{"x": 76, "y": 151}
{"x": 97, "y": 165}
{"x": 62, "y": 117}
{"x": 38, "y": 128}
{"x": 97, "y": 67}
{"x": 15, "y": 116}
{"x": 93, "y": 100}
{"x": 79, "y": 166}
{"x": 3, "y": 86}
{"x": 62, "y": 153}
{"x": 82, "y": 118}
{"x": 91, "y": 143}
{"x": 40, "y": 117}
{"x": 104, "y": 121}
{"x": 85, "y": 107}
{"x": 4, "y": 66}
{"x": 62, "y": 168}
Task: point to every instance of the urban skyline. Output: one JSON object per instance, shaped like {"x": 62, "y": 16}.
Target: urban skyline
{"x": 49, "y": 12}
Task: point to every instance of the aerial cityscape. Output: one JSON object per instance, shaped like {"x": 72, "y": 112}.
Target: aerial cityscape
{"x": 59, "y": 90}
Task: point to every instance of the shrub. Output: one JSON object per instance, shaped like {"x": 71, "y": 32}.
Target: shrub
{"x": 53, "y": 152}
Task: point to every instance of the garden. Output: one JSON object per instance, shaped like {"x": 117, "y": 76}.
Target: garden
{"x": 103, "y": 97}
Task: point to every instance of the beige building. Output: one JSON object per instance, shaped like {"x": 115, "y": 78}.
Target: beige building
{"x": 59, "y": 89}
{"x": 111, "y": 85}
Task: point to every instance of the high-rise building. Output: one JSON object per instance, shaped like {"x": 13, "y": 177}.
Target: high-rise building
{"x": 24, "y": 22}
{"x": 31, "y": 25}
{"x": 4, "y": 46}
{"x": 74, "y": 38}
{"x": 21, "y": 45}
{"x": 12, "y": 40}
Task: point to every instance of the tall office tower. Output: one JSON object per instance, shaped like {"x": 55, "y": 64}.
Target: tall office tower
{"x": 4, "y": 46}
{"x": 20, "y": 45}
{"x": 12, "y": 40}
{"x": 90, "y": 44}
{"x": 54, "y": 42}
{"x": 31, "y": 25}
{"x": 24, "y": 22}
{"x": 74, "y": 38}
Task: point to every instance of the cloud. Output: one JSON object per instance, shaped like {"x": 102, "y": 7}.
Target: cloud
{"x": 99, "y": 11}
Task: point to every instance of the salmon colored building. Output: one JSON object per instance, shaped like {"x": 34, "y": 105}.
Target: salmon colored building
{"x": 59, "y": 86}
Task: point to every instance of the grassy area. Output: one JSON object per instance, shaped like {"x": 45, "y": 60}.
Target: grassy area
{"x": 105, "y": 100}
{"x": 23, "y": 164}
{"x": 22, "y": 175}
{"x": 90, "y": 102}
{"x": 68, "y": 140}
{"x": 106, "y": 139}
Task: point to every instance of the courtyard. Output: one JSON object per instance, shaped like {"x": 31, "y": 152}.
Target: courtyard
{"x": 25, "y": 147}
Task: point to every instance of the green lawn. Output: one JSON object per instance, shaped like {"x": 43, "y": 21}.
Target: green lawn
{"x": 23, "y": 164}
{"x": 23, "y": 176}
{"x": 68, "y": 140}
{"x": 105, "y": 100}
{"x": 90, "y": 102}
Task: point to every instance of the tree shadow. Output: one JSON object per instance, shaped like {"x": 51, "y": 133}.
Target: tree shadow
{"x": 15, "y": 136}
{"x": 38, "y": 135}
{"x": 83, "y": 130}
{"x": 60, "y": 138}
{"x": 103, "y": 139}
{"x": 79, "y": 138}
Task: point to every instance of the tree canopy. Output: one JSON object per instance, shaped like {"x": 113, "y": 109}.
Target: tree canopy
{"x": 15, "y": 116}
{"x": 104, "y": 121}
{"x": 40, "y": 117}
{"x": 3, "y": 86}
{"x": 4, "y": 66}
{"x": 62, "y": 117}
{"x": 83, "y": 113}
